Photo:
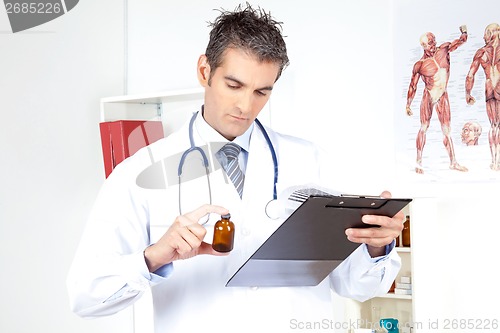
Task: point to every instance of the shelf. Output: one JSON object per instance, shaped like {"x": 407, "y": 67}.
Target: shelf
{"x": 403, "y": 249}
{"x": 157, "y": 97}
{"x": 178, "y": 104}
{"x": 395, "y": 296}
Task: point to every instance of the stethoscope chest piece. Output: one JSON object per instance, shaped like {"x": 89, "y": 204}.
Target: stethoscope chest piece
{"x": 274, "y": 209}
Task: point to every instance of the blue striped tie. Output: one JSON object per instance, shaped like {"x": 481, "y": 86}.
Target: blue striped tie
{"x": 232, "y": 150}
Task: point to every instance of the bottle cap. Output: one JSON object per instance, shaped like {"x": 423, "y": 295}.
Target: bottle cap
{"x": 226, "y": 216}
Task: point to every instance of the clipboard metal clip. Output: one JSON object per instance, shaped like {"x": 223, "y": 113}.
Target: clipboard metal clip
{"x": 357, "y": 201}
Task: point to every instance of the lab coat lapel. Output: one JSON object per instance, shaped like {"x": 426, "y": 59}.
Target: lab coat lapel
{"x": 259, "y": 177}
{"x": 224, "y": 193}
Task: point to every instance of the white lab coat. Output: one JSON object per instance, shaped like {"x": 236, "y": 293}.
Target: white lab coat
{"x": 109, "y": 272}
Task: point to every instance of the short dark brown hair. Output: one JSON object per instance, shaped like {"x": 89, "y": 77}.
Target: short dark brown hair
{"x": 251, "y": 30}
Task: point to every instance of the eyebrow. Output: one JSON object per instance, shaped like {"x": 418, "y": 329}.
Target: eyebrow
{"x": 235, "y": 80}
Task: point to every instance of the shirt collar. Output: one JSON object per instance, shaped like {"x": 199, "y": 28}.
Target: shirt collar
{"x": 208, "y": 134}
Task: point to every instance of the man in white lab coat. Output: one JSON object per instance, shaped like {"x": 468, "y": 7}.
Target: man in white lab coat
{"x": 137, "y": 236}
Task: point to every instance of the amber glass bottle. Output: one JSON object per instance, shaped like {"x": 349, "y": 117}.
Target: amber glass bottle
{"x": 393, "y": 287}
{"x": 223, "y": 234}
{"x": 406, "y": 232}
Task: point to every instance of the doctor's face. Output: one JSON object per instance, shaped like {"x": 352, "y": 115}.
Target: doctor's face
{"x": 236, "y": 91}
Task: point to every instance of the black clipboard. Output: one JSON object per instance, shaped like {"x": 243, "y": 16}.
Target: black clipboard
{"x": 312, "y": 241}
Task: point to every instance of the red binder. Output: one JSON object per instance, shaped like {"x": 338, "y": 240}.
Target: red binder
{"x": 122, "y": 138}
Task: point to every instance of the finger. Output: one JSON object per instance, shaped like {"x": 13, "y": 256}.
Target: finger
{"x": 186, "y": 242}
{"x": 386, "y": 194}
{"x": 370, "y": 236}
{"x": 198, "y": 230}
{"x": 364, "y": 233}
{"x": 393, "y": 225}
{"x": 388, "y": 227}
{"x": 371, "y": 239}
{"x": 193, "y": 234}
{"x": 368, "y": 219}
{"x": 376, "y": 220}
{"x": 399, "y": 218}
{"x": 195, "y": 215}
{"x": 206, "y": 248}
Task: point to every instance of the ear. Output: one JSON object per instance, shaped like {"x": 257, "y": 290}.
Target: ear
{"x": 203, "y": 70}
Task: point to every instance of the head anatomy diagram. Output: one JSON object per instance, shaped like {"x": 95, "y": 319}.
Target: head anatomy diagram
{"x": 428, "y": 42}
{"x": 491, "y": 31}
{"x": 470, "y": 133}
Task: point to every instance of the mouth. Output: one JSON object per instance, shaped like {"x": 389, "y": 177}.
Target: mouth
{"x": 237, "y": 118}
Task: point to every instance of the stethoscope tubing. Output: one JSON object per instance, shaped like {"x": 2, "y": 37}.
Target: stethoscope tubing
{"x": 194, "y": 148}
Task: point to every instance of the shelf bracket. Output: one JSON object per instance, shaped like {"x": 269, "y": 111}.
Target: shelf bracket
{"x": 159, "y": 109}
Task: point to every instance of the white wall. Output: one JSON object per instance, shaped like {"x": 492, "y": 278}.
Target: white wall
{"x": 338, "y": 90}
{"x": 455, "y": 248}
{"x": 51, "y": 79}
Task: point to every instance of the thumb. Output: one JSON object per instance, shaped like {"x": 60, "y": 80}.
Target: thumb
{"x": 386, "y": 194}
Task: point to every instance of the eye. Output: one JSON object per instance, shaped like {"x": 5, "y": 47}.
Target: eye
{"x": 232, "y": 86}
{"x": 260, "y": 93}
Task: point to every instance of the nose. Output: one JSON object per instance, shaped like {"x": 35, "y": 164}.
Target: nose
{"x": 245, "y": 103}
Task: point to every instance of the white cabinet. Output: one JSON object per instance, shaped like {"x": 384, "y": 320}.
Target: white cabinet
{"x": 391, "y": 305}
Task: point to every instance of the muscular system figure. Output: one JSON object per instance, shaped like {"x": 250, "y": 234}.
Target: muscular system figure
{"x": 434, "y": 69}
{"x": 488, "y": 57}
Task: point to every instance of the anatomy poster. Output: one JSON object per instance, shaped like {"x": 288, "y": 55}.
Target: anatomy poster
{"x": 447, "y": 91}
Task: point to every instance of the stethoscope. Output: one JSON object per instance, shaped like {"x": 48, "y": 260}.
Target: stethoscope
{"x": 271, "y": 206}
